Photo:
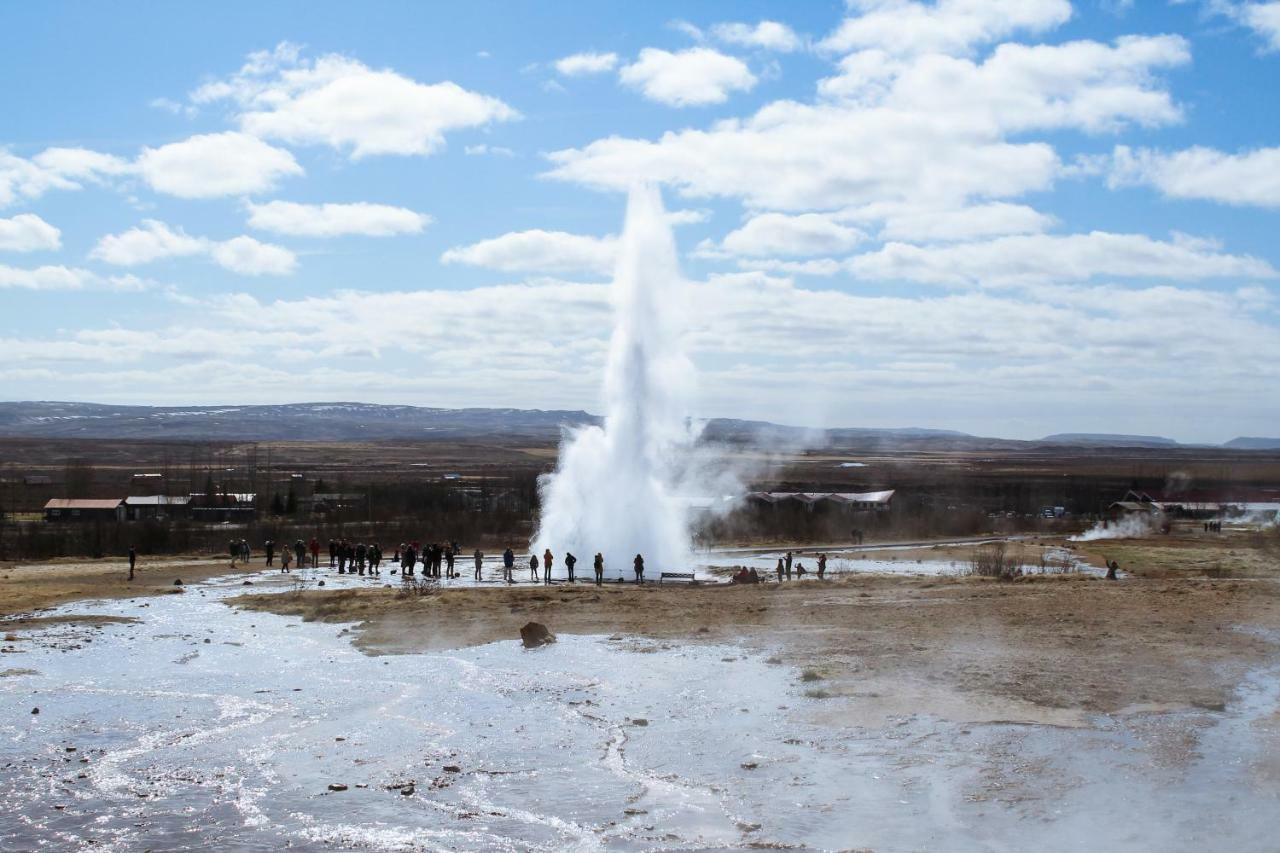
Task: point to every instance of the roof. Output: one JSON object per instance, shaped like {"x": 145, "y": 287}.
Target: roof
{"x": 82, "y": 503}
{"x": 882, "y": 497}
{"x": 1134, "y": 506}
{"x": 157, "y": 500}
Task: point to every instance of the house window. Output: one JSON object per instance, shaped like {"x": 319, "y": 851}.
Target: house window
{"x": 75, "y": 512}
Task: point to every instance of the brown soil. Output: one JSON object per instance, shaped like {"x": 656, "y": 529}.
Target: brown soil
{"x": 1046, "y": 649}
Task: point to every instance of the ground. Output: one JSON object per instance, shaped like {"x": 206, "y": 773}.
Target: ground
{"x": 1047, "y": 649}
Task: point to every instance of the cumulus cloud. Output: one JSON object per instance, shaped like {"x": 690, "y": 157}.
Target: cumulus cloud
{"x": 59, "y": 277}
{"x": 766, "y": 35}
{"x": 539, "y": 251}
{"x": 1247, "y": 178}
{"x": 247, "y": 256}
{"x": 54, "y": 169}
{"x": 694, "y": 77}
{"x": 336, "y": 220}
{"x": 216, "y": 164}
{"x": 1008, "y": 363}
{"x": 947, "y": 26}
{"x": 27, "y": 232}
{"x": 933, "y": 130}
{"x": 586, "y": 63}
{"x": 154, "y": 240}
{"x": 338, "y": 101}
{"x": 1042, "y": 258}
{"x": 916, "y": 224}
{"x": 772, "y": 234}
{"x": 1263, "y": 19}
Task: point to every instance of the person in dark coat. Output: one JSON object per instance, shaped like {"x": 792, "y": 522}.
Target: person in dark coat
{"x": 638, "y": 564}
{"x": 599, "y": 567}
{"x": 569, "y": 562}
{"x": 508, "y": 564}
{"x": 533, "y": 567}
{"x": 133, "y": 560}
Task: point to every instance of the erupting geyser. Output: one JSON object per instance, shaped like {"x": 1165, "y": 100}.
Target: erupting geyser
{"x": 614, "y": 489}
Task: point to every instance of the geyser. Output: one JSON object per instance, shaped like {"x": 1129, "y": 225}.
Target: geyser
{"x": 614, "y": 489}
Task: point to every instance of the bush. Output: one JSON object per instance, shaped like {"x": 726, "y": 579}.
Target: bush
{"x": 994, "y": 561}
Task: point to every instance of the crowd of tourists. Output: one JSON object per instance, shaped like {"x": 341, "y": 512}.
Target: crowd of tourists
{"x": 437, "y": 560}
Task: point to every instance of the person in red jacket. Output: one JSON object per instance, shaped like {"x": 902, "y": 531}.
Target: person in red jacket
{"x": 315, "y": 553}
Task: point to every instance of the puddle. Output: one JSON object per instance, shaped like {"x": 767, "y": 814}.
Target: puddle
{"x": 202, "y": 726}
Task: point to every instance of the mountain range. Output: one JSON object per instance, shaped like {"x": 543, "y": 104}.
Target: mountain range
{"x": 369, "y": 421}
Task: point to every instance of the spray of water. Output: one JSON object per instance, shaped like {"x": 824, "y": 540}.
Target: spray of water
{"x": 617, "y": 487}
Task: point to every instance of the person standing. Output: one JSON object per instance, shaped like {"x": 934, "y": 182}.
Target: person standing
{"x": 244, "y": 550}
{"x": 779, "y": 570}
{"x": 547, "y": 559}
{"x": 569, "y": 562}
{"x": 508, "y": 564}
{"x": 133, "y": 560}
{"x": 315, "y": 553}
{"x": 284, "y": 559}
{"x": 234, "y": 549}
{"x": 448, "y": 562}
{"x": 638, "y": 564}
{"x": 599, "y": 567}
{"x": 533, "y": 567}
{"x": 333, "y": 552}
{"x": 822, "y": 566}
{"x": 270, "y": 547}
{"x": 479, "y": 558}
{"x": 788, "y": 565}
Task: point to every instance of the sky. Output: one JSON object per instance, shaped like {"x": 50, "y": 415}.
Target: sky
{"x": 1008, "y": 217}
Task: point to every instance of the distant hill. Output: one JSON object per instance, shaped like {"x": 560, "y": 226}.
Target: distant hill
{"x": 1245, "y": 442}
{"x": 357, "y": 421}
{"x": 374, "y": 422}
{"x": 296, "y": 421}
{"x": 1107, "y": 439}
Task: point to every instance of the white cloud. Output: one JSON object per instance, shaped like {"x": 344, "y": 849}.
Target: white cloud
{"x": 1247, "y": 178}
{"x": 1263, "y": 19}
{"x": 947, "y": 26}
{"x": 58, "y": 277}
{"x": 247, "y": 256}
{"x": 766, "y": 35}
{"x": 54, "y": 168}
{"x": 482, "y": 149}
{"x": 216, "y": 164}
{"x": 693, "y": 77}
{"x": 586, "y": 63}
{"x": 1087, "y": 85}
{"x": 27, "y": 232}
{"x": 772, "y": 234}
{"x": 538, "y": 251}
{"x": 335, "y": 220}
{"x": 1042, "y": 258}
{"x": 915, "y": 224}
{"x": 932, "y": 131}
{"x": 155, "y": 240}
{"x": 975, "y": 358}
{"x": 341, "y": 102}
{"x": 152, "y": 241}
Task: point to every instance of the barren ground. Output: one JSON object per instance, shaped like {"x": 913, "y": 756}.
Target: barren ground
{"x": 1047, "y": 649}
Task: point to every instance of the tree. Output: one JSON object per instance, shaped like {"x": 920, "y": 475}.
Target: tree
{"x": 79, "y": 478}
{"x": 291, "y": 501}
{"x": 277, "y": 504}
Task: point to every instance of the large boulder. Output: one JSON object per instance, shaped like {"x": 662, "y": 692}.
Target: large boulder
{"x": 536, "y": 634}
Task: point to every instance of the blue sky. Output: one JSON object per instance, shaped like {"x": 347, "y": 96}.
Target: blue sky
{"x": 1011, "y": 218}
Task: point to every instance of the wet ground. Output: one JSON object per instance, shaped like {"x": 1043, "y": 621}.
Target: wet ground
{"x": 202, "y": 727}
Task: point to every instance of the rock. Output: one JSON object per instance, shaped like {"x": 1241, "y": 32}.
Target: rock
{"x": 177, "y": 581}
{"x": 452, "y": 768}
{"x": 639, "y": 721}
{"x": 337, "y": 786}
{"x": 247, "y": 583}
{"x": 35, "y": 710}
{"x": 749, "y": 765}
{"x": 535, "y": 634}
{"x": 408, "y": 790}
{"x": 321, "y": 583}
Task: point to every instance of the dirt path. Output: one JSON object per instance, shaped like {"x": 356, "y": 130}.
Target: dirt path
{"x": 28, "y": 587}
